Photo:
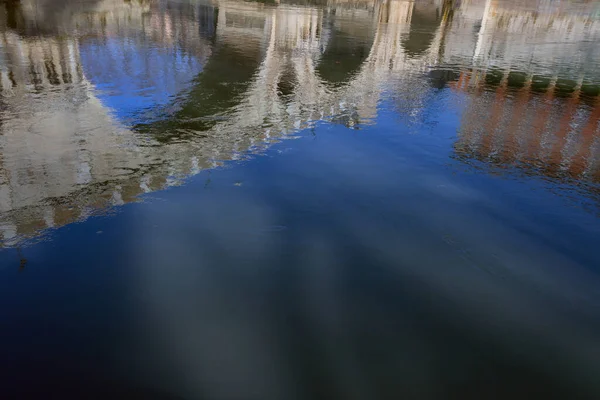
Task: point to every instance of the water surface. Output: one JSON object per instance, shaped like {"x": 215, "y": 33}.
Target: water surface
{"x": 336, "y": 200}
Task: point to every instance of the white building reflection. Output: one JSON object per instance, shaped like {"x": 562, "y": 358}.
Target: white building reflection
{"x": 79, "y": 85}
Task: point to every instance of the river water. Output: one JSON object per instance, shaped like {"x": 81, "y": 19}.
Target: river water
{"x": 299, "y": 200}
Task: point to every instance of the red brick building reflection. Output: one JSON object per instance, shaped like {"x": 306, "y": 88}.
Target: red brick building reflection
{"x": 550, "y": 128}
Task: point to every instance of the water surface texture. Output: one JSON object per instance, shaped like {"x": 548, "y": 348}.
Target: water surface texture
{"x": 353, "y": 199}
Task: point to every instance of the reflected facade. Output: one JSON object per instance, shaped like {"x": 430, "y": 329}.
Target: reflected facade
{"x": 105, "y": 100}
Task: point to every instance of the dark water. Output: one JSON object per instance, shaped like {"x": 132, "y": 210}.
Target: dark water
{"x": 305, "y": 200}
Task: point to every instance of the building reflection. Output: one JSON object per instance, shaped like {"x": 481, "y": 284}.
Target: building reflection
{"x": 532, "y": 79}
{"x": 545, "y": 131}
{"x": 104, "y": 100}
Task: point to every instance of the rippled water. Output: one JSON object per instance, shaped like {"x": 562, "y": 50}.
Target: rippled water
{"x": 430, "y": 232}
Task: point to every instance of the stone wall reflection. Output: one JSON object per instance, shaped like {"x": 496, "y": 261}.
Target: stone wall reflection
{"x": 67, "y": 151}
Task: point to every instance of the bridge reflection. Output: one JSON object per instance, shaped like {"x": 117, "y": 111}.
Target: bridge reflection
{"x": 104, "y": 100}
